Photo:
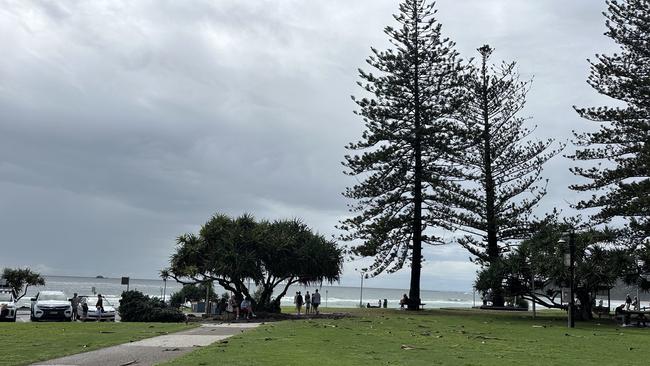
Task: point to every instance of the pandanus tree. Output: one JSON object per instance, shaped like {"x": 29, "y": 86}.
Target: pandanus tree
{"x": 273, "y": 255}
{"x": 409, "y": 97}
{"x": 20, "y": 279}
{"x": 164, "y": 275}
{"x": 536, "y": 269}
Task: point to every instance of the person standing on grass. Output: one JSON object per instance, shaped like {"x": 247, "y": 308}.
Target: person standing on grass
{"x": 100, "y": 307}
{"x": 307, "y": 303}
{"x": 75, "y": 307}
{"x": 628, "y": 302}
{"x": 295, "y": 300}
{"x": 84, "y": 309}
{"x": 298, "y": 302}
{"x": 315, "y": 301}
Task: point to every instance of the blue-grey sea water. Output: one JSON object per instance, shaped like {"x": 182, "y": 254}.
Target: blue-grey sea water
{"x": 332, "y": 296}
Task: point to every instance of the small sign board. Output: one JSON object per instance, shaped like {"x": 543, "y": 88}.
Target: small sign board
{"x": 125, "y": 280}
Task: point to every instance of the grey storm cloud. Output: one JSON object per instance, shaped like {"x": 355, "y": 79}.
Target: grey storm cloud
{"x": 126, "y": 123}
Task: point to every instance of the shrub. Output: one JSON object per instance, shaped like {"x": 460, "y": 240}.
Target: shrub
{"x": 137, "y": 307}
{"x": 177, "y": 299}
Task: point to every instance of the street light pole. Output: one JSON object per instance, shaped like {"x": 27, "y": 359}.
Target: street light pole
{"x": 361, "y": 292}
{"x": 532, "y": 283}
{"x": 207, "y": 297}
{"x": 572, "y": 253}
{"x": 640, "y": 264}
{"x": 570, "y": 262}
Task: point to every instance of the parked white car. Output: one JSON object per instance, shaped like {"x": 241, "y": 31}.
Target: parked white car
{"x": 8, "y": 306}
{"x": 92, "y": 314}
{"x": 51, "y": 305}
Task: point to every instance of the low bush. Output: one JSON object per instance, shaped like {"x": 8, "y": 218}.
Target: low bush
{"x": 138, "y": 307}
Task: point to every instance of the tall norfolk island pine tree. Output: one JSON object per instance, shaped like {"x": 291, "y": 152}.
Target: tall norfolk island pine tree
{"x": 621, "y": 186}
{"x": 399, "y": 161}
{"x": 499, "y": 169}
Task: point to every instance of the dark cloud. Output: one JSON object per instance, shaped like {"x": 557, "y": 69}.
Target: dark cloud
{"x": 126, "y": 123}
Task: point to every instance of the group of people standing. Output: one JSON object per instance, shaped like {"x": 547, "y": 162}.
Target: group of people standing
{"x": 76, "y": 300}
{"x": 243, "y": 309}
{"x": 311, "y": 302}
{"x": 635, "y": 304}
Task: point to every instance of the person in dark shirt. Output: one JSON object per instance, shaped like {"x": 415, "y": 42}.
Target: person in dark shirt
{"x": 75, "y": 307}
{"x": 298, "y": 301}
{"x": 403, "y": 301}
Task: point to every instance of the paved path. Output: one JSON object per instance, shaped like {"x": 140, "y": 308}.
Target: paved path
{"x": 154, "y": 350}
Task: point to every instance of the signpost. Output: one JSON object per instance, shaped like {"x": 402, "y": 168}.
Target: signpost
{"x": 125, "y": 281}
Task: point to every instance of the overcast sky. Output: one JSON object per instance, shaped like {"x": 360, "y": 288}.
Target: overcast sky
{"x": 126, "y": 123}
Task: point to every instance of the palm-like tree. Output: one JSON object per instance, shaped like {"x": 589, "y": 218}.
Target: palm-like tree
{"x": 164, "y": 274}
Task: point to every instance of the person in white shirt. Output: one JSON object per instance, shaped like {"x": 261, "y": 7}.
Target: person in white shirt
{"x": 246, "y": 308}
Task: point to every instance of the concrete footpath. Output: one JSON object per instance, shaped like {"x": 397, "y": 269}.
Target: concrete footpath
{"x": 154, "y": 350}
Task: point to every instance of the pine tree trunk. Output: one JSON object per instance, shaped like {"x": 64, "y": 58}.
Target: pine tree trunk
{"x": 416, "y": 259}
{"x": 492, "y": 240}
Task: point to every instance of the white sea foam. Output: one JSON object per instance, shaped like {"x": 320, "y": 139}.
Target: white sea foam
{"x": 331, "y": 296}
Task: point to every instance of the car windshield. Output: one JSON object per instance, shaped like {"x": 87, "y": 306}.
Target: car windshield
{"x": 52, "y": 296}
{"x": 5, "y": 296}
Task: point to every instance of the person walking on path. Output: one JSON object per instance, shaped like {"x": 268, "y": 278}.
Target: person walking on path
{"x": 628, "y": 302}
{"x": 315, "y": 301}
{"x": 307, "y": 303}
{"x": 635, "y": 304}
{"x": 100, "y": 307}
{"x": 298, "y": 301}
{"x": 75, "y": 307}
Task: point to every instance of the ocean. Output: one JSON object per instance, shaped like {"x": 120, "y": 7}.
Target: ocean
{"x": 331, "y": 296}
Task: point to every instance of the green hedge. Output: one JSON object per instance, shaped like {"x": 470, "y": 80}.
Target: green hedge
{"x": 137, "y": 307}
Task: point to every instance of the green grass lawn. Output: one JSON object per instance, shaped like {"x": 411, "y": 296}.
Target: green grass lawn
{"x": 25, "y": 343}
{"x": 435, "y": 337}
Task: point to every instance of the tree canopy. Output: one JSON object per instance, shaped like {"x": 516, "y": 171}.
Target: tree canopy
{"x": 231, "y": 251}
{"x": 599, "y": 264}
{"x": 414, "y": 90}
{"x": 20, "y": 279}
{"x": 619, "y": 151}
{"x": 499, "y": 167}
